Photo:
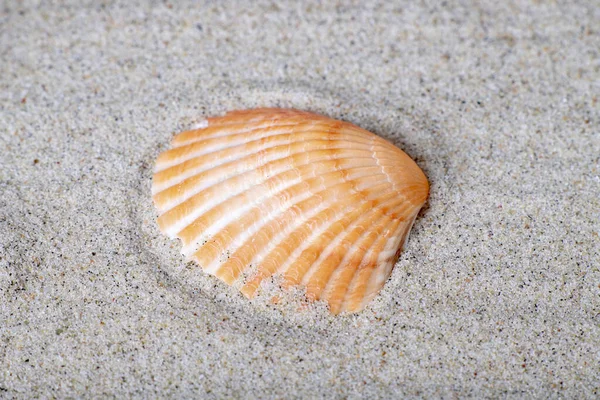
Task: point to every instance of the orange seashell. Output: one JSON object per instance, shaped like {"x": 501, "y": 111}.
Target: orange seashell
{"x": 319, "y": 202}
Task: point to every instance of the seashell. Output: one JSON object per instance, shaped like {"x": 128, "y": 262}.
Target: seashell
{"x": 319, "y": 202}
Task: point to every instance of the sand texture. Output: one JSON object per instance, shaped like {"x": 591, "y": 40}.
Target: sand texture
{"x": 497, "y": 293}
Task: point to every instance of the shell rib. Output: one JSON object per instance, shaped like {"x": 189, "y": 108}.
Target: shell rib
{"x": 319, "y": 202}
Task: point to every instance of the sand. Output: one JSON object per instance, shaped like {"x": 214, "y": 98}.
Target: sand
{"x": 497, "y": 293}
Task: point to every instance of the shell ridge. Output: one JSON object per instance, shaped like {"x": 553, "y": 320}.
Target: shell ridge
{"x": 241, "y": 185}
{"x": 160, "y": 181}
{"x": 220, "y": 178}
{"x": 293, "y": 206}
{"x": 389, "y": 246}
{"x": 272, "y": 213}
{"x": 346, "y": 267}
{"x": 346, "y": 227}
{"x": 217, "y": 131}
{"x": 379, "y": 277}
{"x": 269, "y": 265}
{"x": 332, "y": 215}
{"x": 251, "y": 147}
{"x": 223, "y": 122}
{"x": 179, "y": 155}
{"x": 383, "y": 171}
{"x": 312, "y": 245}
{"x": 283, "y": 206}
{"x": 250, "y": 286}
{"x": 284, "y": 234}
{"x": 220, "y": 132}
{"x": 335, "y": 290}
{"x": 244, "y": 174}
{"x": 355, "y": 228}
{"x": 368, "y": 262}
{"x": 256, "y": 191}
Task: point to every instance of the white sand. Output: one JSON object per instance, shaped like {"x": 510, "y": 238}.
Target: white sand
{"x": 498, "y": 290}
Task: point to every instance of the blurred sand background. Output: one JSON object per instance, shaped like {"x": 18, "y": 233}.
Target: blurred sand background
{"x": 497, "y": 292}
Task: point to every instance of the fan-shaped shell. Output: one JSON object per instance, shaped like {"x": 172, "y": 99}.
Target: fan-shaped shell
{"x": 318, "y": 201}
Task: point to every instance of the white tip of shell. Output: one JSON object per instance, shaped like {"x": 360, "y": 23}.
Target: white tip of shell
{"x": 200, "y": 125}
